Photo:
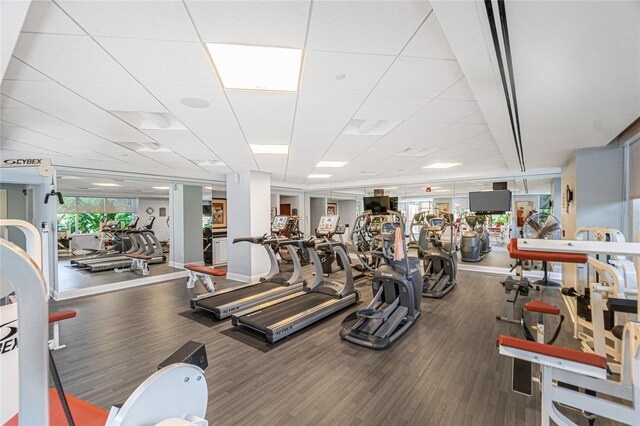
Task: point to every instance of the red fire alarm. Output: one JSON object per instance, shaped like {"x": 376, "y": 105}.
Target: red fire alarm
{"x": 428, "y": 189}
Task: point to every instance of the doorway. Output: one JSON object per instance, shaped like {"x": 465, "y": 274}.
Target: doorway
{"x": 285, "y": 209}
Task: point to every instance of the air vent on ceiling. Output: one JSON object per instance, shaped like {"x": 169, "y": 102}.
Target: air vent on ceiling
{"x": 150, "y": 120}
{"x": 143, "y": 147}
{"x": 371, "y": 173}
{"x": 369, "y": 127}
{"x": 415, "y": 152}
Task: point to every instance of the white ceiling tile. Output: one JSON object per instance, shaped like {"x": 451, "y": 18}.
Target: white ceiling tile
{"x": 347, "y": 147}
{"x": 429, "y": 42}
{"x": 265, "y": 117}
{"x": 45, "y": 17}
{"x": 19, "y": 146}
{"x": 418, "y": 77}
{"x": 445, "y": 111}
{"x": 263, "y": 23}
{"x": 230, "y": 148}
{"x": 183, "y": 142}
{"x": 129, "y": 96}
{"x": 6, "y": 102}
{"x": 392, "y": 108}
{"x": 69, "y": 58}
{"x": 160, "y": 20}
{"x": 408, "y": 133}
{"x": 462, "y": 131}
{"x": 325, "y": 113}
{"x": 477, "y": 118}
{"x": 59, "y": 102}
{"x": 20, "y": 134}
{"x": 217, "y": 117}
{"x": 459, "y": 91}
{"x": 163, "y": 63}
{"x": 19, "y": 71}
{"x": 364, "y": 26}
{"x": 323, "y": 70}
{"x": 272, "y": 163}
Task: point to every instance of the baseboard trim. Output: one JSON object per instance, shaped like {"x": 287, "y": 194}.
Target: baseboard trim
{"x": 122, "y": 285}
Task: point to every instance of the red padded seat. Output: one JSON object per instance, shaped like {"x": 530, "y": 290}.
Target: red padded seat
{"x": 206, "y": 270}
{"x": 83, "y": 413}
{"x": 541, "y": 307}
{"x": 545, "y": 256}
{"x": 62, "y": 315}
{"x": 554, "y": 351}
{"x": 138, "y": 256}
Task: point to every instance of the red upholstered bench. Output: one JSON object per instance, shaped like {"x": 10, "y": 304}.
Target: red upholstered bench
{"x": 203, "y": 274}
{"x": 541, "y": 307}
{"x": 82, "y": 412}
{"x": 554, "y": 351}
{"x": 54, "y": 344}
{"x": 544, "y": 256}
{"x": 214, "y": 272}
{"x": 138, "y": 256}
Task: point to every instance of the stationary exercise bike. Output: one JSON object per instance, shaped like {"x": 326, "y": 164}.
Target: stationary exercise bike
{"x": 396, "y": 284}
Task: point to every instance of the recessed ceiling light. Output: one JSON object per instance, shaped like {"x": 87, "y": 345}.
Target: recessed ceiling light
{"x": 106, "y": 184}
{"x": 365, "y": 173}
{"x": 331, "y": 164}
{"x": 256, "y": 67}
{"x": 194, "y": 102}
{"x": 269, "y": 149}
{"x": 441, "y": 165}
{"x": 340, "y": 77}
{"x": 208, "y": 187}
{"x": 441, "y": 190}
{"x": 160, "y": 187}
{"x": 318, "y": 176}
{"x": 70, "y": 177}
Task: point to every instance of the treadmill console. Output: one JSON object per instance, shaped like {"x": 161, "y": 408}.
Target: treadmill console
{"x": 328, "y": 225}
{"x": 279, "y": 224}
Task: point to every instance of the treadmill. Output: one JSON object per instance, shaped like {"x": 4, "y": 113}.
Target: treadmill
{"x": 222, "y": 304}
{"x": 281, "y": 317}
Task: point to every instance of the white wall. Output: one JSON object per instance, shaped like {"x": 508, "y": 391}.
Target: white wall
{"x": 346, "y": 211}
{"x": 160, "y": 227}
{"x": 317, "y": 208}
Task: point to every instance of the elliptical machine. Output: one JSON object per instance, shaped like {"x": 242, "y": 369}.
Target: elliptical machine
{"x": 440, "y": 261}
{"x": 396, "y": 284}
{"x": 471, "y": 244}
{"x": 481, "y": 229}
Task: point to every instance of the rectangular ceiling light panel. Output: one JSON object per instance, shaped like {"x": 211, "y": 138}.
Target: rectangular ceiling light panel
{"x": 327, "y": 164}
{"x": 257, "y": 67}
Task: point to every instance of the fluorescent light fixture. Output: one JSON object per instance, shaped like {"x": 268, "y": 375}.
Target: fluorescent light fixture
{"x": 208, "y": 187}
{"x": 106, "y": 184}
{"x": 256, "y": 67}
{"x": 269, "y": 149}
{"x": 67, "y": 177}
{"x": 332, "y": 164}
{"x": 372, "y": 173}
{"x": 441, "y": 165}
{"x": 318, "y": 176}
{"x": 160, "y": 187}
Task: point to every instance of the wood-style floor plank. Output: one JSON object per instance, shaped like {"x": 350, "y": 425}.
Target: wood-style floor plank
{"x": 445, "y": 371}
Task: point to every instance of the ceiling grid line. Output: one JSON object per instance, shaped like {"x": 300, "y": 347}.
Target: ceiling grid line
{"x": 224, "y": 92}
{"x": 375, "y": 85}
{"x": 141, "y": 85}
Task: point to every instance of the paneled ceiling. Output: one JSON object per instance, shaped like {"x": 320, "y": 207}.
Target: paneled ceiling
{"x": 84, "y": 72}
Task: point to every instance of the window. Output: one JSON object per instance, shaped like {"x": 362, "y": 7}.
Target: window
{"x": 86, "y": 215}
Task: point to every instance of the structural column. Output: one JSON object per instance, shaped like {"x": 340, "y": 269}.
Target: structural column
{"x": 248, "y": 205}
{"x": 186, "y": 225}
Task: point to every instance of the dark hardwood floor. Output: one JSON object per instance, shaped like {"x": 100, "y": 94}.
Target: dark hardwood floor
{"x": 445, "y": 371}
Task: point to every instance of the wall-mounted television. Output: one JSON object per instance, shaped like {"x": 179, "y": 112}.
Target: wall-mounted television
{"x": 491, "y": 202}
{"x": 377, "y": 204}
{"x": 393, "y": 204}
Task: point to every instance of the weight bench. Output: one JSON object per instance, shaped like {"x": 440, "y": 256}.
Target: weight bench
{"x": 204, "y": 274}
{"x": 518, "y": 284}
{"x": 139, "y": 262}
{"x": 54, "y": 318}
{"x": 566, "y": 372}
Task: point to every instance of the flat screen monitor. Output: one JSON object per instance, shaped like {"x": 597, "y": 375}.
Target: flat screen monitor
{"x": 393, "y": 204}
{"x": 490, "y": 201}
{"x": 377, "y": 204}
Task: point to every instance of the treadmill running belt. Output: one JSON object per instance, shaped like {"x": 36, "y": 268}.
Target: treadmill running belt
{"x": 276, "y": 313}
{"x": 235, "y": 295}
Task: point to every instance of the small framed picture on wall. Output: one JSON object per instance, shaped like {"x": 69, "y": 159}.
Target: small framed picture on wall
{"x": 219, "y": 213}
{"x": 332, "y": 209}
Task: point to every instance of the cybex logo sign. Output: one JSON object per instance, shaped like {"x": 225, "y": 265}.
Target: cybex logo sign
{"x": 8, "y": 336}
{"x": 284, "y": 330}
{"x": 23, "y": 162}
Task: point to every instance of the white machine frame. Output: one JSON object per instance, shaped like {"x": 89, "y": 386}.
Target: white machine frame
{"x": 176, "y": 394}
